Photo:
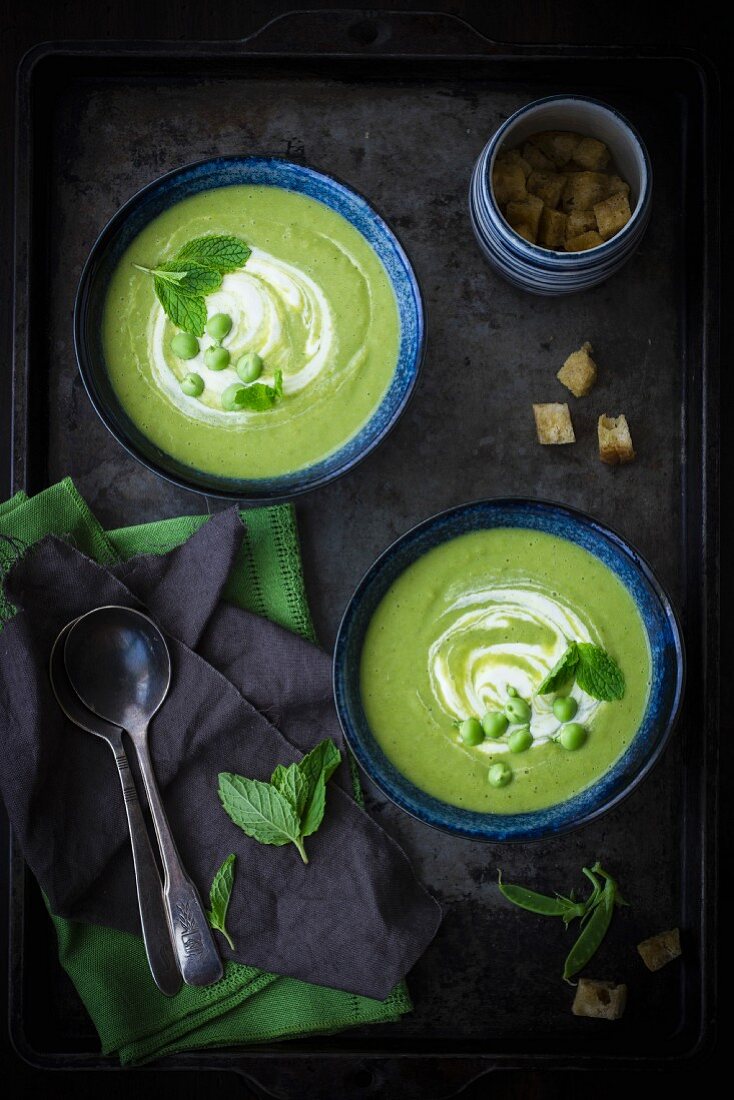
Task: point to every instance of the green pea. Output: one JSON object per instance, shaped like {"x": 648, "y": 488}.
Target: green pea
{"x": 192, "y": 385}
{"x": 499, "y": 775}
{"x": 572, "y": 736}
{"x": 216, "y": 358}
{"x": 184, "y": 345}
{"x": 219, "y": 325}
{"x": 233, "y": 398}
{"x": 249, "y": 366}
{"x": 517, "y": 710}
{"x": 565, "y": 708}
{"x": 471, "y": 731}
{"x": 512, "y": 692}
{"x": 520, "y": 740}
{"x": 494, "y": 724}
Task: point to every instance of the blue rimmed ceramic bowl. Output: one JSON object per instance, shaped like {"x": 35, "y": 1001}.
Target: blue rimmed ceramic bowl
{"x": 227, "y": 171}
{"x": 542, "y": 270}
{"x": 667, "y": 660}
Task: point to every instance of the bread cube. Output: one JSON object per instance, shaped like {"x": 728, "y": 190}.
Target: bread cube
{"x": 661, "y": 949}
{"x": 508, "y": 182}
{"x": 578, "y": 373}
{"x": 537, "y": 159}
{"x": 553, "y": 424}
{"x": 615, "y": 441}
{"x": 583, "y": 242}
{"x": 612, "y": 214}
{"x": 591, "y": 154}
{"x": 558, "y": 145}
{"x": 552, "y": 228}
{"x": 580, "y": 221}
{"x": 526, "y": 213}
{"x": 616, "y": 186}
{"x": 548, "y": 186}
{"x": 526, "y": 233}
{"x": 584, "y": 189}
{"x": 599, "y": 1000}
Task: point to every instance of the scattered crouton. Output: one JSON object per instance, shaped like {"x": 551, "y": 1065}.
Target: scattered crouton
{"x": 583, "y": 242}
{"x": 558, "y": 145}
{"x": 661, "y": 949}
{"x": 591, "y": 154}
{"x": 552, "y": 228}
{"x": 600, "y": 1000}
{"x": 580, "y": 221}
{"x": 578, "y": 373}
{"x": 526, "y": 213}
{"x": 537, "y": 159}
{"x": 583, "y": 190}
{"x": 548, "y": 186}
{"x": 612, "y": 214}
{"x": 553, "y": 424}
{"x": 615, "y": 441}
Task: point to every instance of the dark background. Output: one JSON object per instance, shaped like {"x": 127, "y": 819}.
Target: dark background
{"x": 582, "y": 22}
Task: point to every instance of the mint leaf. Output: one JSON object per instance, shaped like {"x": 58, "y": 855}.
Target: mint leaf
{"x": 260, "y": 810}
{"x": 220, "y": 253}
{"x": 561, "y": 672}
{"x": 317, "y": 767}
{"x": 313, "y": 813}
{"x": 292, "y": 784}
{"x": 258, "y": 396}
{"x": 186, "y": 311}
{"x": 219, "y": 895}
{"x": 194, "y": 280}
{"x": 598, "y": 674}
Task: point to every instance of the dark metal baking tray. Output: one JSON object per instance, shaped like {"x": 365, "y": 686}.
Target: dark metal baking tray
{"x": 400, "y": 106}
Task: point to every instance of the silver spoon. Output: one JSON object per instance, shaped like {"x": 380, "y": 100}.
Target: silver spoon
{"x": 118, "y": 663}
{"x": 156, "y": 934}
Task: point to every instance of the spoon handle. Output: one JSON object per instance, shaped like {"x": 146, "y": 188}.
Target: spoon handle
{"x": 198, "y": 957}
{"x": 156, "y": 936}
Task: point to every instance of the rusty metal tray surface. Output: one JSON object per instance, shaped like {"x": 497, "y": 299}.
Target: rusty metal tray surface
{"x": 400, "y": 106}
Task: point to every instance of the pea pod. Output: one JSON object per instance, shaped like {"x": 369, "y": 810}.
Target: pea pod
{"x": 536, "y": 903}
{"x": 592, "y": 933}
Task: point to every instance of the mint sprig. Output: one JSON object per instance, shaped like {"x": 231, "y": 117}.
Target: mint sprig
{"x": 594, "y": 670}
{"x": 219, "y": 895}
{"x": 181, "y": 284}
{"x": 288, "y": 808}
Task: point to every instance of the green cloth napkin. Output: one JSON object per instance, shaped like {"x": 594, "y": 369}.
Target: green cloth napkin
{"x": 109, "y": 968}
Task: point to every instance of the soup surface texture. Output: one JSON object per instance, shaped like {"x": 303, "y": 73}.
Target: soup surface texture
{"x": 472, "y": 621}
{"x": 313, "y": 301}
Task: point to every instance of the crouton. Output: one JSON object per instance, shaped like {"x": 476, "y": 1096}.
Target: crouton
{"x": 661, "y": 949}
{"x": 552, "y": 228}
{"x": 584, "y": 189}
{"x": 612, "y": 214}
{"x": 526, "y": 233}
{"x": 591, "y": 154}
{"x": 615, "y": 441}
{"x": 617, "y": 186}
{"x": 600, "y": 1000}
{"x": 558, "y": 145}
{"x": 526, "y": 213}
{"x": 508, "y": 182}
{"x": 548, "y": 186}
{"x": 536, "y": 159}
{"x": 553, "y": 424}
{"x": 578, "y": 373}
{"x": 580, "y": 221}
{"x": 583, "y": 242}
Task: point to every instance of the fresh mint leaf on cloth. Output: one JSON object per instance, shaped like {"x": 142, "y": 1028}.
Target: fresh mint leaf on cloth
{"x": 220, "y": 253}
{"x": 598, "y": 674}
{"x": 288, "y": 808}
{"x": 219, "y": 895}
{"x": 561, "y": 672}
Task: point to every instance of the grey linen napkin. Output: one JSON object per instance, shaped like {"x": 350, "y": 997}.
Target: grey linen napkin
{"x": 246, "y": 695}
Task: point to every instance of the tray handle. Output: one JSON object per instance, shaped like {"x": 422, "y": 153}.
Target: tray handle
{"x": 340, "y": 32}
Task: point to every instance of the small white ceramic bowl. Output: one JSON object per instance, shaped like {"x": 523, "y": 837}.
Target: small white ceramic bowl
{"x": 541, "y": 270}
